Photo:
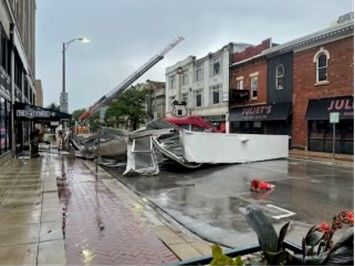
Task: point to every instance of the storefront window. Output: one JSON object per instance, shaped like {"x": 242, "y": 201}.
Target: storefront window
{"x": 2, "y": 126}
{"x": 321, "y": 136}
{"x": 8, "y": 124}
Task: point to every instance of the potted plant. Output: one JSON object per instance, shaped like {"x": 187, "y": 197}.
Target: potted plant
{"x": 318, "y": 247}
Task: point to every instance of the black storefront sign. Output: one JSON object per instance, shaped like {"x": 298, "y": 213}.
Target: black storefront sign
{"x": 319, "y": 109}
{"x": 24, "y": 111}
{"x": 265, "y": 112}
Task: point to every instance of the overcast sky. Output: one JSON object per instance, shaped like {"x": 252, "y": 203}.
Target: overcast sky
{"x": 124, "y": 34}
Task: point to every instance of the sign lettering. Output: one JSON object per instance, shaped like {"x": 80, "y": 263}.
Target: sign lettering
{"x": 257, "y": 110}
{"x": 31, "y": 113}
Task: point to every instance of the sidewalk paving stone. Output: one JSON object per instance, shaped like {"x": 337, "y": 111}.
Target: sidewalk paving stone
{"x": 18, "y": 254}
{"x": 51, "y": 253}
{"x": 111, "y": 234}
{"x": 55, "y": 210}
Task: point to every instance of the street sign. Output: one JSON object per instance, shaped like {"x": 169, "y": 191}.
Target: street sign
{"x": 102, "y": 114}
{"x": 334, "y": 117}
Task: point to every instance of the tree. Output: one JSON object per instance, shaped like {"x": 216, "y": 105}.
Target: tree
{"x": 129, "y": 107}
{"x": 54, "y": 107}
{"x": 77, "y": 113}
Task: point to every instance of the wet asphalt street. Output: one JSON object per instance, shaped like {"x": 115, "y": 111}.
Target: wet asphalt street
{"x": 207, "y": 201}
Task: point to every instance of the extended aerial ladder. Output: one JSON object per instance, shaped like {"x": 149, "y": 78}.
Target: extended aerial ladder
{"x": 124, "y": 85}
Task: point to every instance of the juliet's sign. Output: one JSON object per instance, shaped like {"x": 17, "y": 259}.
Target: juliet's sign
{"x": 320, "y": 109}
{"x": 257, "y": 110}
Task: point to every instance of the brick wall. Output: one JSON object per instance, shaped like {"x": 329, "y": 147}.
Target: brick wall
{"x": 340, "y": 77}
{"x": 258, "y": 65}
{"x": 251, "y": 51}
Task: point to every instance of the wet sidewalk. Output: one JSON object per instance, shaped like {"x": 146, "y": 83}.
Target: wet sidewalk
{"x": 56, "y": 210}
{"x": 30, "y": 213}
{"x": 339, "y": 159}
{"x": 98, "y": 226}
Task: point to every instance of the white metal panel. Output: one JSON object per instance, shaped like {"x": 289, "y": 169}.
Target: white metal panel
{"x": 202, "y": 147}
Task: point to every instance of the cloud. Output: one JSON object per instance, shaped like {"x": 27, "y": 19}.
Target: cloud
{"x": 126, "y": 33}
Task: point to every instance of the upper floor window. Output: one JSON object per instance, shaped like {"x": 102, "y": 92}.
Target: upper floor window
{"x": 198, "y": 100}
{"x": 199, "y": 73}
{"x": 172, "y": 82}
{"x": 216, "y": 94}
{"x": 239, "y": 83}
{"x": 185, "y": 79}
{"x": 321, "y": 60}
{"x": 280, "y": 74}
{"x": 215, "y": 67}
{"x": 254, "y": 86}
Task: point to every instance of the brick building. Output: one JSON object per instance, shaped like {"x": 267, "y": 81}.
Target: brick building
{"x": 323, "y": 82}
{"x": 297, "y": 85}
{"x": 250, "y": 109}
{"x": 323, "y": 76}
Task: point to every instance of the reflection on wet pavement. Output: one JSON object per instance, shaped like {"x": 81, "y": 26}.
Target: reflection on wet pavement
{"x": 27, "y": 224}
{"x": 98, "y": 227}
{"x": 207, "y": 201}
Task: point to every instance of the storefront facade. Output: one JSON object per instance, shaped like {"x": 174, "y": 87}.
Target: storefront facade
{"x": 5, "y": 125}
{"x": 274, "y": 119}
{"x": 323, "y": 82}
{"x": 27, "y": 115}
{"x": 17, "y": 72}
{"x": 320, "y": 130}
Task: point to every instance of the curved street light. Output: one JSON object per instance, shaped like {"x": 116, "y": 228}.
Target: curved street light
{"x": 64, "y": 95}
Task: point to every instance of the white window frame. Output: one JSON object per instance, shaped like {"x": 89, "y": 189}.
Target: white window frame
{"x": 212, "y": 90}
{"x": 278, "y": 75}
{"x": 316, "y": 57}
{"x": 195, "y": 93}
{"x": 212, "y": 63}
{"x": 172, "y": 82}
{"x": 185, "y": 78}
{"x": 240, "y": 81}
{"x": 198, "y": 78}
{"x": 252, "y": 76}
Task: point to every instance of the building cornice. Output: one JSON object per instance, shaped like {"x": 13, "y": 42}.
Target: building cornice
{"x": 313, "y": 39}
{"x": 327, "y": 35}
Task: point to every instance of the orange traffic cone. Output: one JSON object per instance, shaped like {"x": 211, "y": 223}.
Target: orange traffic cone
{"x": 257, "y": 185}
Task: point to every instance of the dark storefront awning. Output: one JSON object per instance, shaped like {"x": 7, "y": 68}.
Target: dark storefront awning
{"x": 25, "y": 111}
{"x": 265, "y": 112}
{"x": 319, "y": 109}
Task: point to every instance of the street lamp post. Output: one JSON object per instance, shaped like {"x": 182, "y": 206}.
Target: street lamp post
{"x": 64, "y": 94}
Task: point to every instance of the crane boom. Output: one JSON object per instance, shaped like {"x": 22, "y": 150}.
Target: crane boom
{"x": 122, "y": 87}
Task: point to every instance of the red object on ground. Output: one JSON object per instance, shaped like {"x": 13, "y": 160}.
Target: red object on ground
{"x": 194, "y": 121}
{"x": 258, "y": 185}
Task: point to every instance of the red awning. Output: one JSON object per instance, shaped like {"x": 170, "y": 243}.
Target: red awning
{"x": 195, "y": 121}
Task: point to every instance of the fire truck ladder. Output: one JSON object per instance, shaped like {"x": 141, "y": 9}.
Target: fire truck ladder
{"x": 123, "y": 86}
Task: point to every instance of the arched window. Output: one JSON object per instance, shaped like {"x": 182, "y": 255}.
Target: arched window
{"x": 321, "y": 60}
{"x": 280, "y": 74}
